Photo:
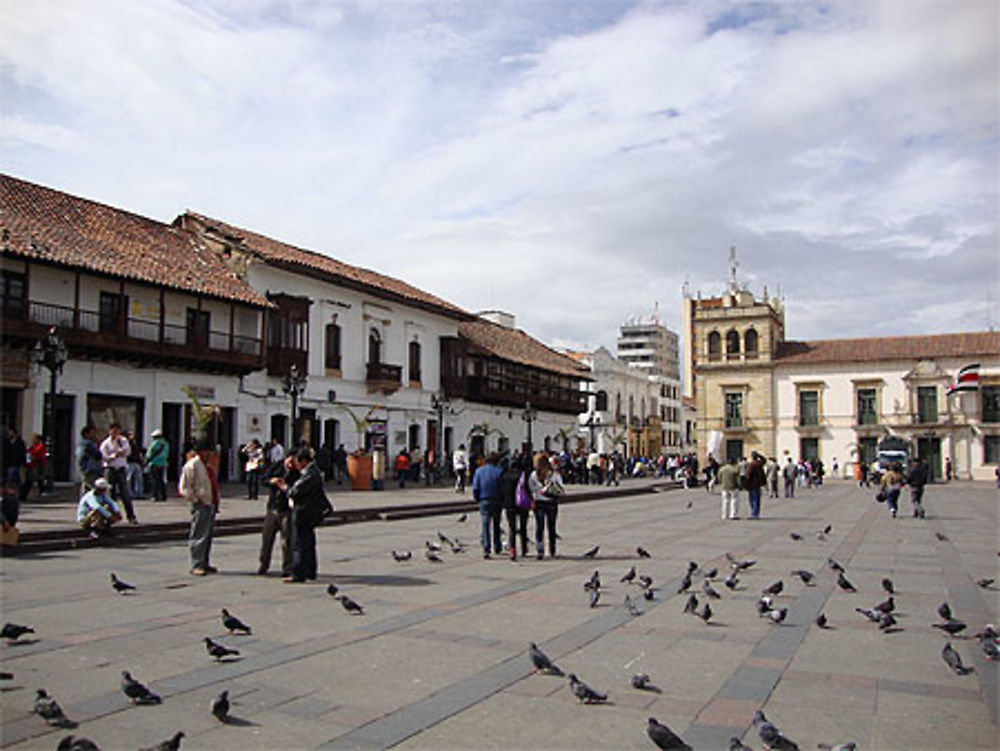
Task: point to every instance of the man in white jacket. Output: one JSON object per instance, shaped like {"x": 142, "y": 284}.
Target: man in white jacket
{"x": 195, "y": 486}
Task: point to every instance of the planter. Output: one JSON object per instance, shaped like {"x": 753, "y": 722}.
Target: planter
{"x": 359, "y": 469}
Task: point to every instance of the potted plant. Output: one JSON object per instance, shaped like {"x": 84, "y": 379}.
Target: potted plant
{"x": 205, "y": 418}
{"x": 359, "y": 461}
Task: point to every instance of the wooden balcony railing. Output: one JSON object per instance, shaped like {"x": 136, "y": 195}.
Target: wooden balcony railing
{"x": 383, "y": 378}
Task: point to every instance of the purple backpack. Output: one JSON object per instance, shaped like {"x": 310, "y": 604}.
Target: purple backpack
{"x": 522, "y": 497}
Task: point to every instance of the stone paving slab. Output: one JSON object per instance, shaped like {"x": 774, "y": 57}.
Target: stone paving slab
{"x": 439, "y": 659}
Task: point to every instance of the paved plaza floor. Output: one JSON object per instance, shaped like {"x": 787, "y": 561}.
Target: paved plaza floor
{"x": 439, "y": 659}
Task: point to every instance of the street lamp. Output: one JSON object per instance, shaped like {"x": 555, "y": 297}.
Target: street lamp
{"x": 439, "y": 403}
{"x": 50, "y": 353}
{"x": 593, "y": 420}
{"x": 529, "y": 415}
{"x": 294, "y": 384}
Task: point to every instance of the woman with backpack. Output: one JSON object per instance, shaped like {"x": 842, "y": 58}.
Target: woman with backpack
{"x": 516, "y": 501}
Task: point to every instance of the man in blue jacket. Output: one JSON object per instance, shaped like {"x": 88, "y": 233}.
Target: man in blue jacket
{"x": 486, "y": 490}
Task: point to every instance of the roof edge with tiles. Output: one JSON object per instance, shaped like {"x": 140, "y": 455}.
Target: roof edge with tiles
{"x": 969, "y": 344}
{"x": 517, "y": 346}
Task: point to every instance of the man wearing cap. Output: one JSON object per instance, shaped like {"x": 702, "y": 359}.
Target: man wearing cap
{"x": 97, "y": 512}
{"x": 156, "y": 463}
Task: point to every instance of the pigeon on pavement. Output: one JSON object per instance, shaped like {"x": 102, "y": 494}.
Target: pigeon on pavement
{"x": 735, "y": 744}
{"x": 821, "y": 621}
{"x": 14, "y": 632}
{"x": 665, "y": 738}
{"x": 731, "y": 581}
{"x": 778, "y": 615}
{"x": 642, "y": 682}
{"x": 887, "y": 606}
{"x": 136, "y": 691}
{"x": 740, "y": 565}
{"x": 77, "y": 743}
{"x": 233, "y": 624}
{"x": 706, "y": 613}
{"x": 834, "y": 566}
{"x": 870, "y": 613}
{"x": 432, "y": 556}
{"x": 49, "y": 710}
{"x": 649, "y": 594}
{"x": 218, "y": 651}
{"x": 462, "y": 518}
{"x": 954, "y": 660}
{"x": 941, "y": 536}
{"x": 594, "y": 582}
{"x": 691, "y": 606}
{"x": 771, "y": 736}
{"x": 592, "y": 553}
{"x": 220, "y": 707}
{"x": 631, "y": 607}
{"x": 432, "y": 546}
{"x": 595, "y": 597}
{"x": 774, "y": 589}
{"x": 585, "y": 693}
{"x": 332, "y": 589}
{"x": 171, "y": 744}
{"x": 888, "y": 586}
{"x": 120, "y": 586}
{"x": 985, "y": 583}
{"x": 685, "y": 584}
{"x": 400, "y": 557}
{"x": 795, "y": 536}
{"x": 844, "y": 584}
{"x": 350, "y": 605}
{"x": 805, "y": 576}
{"x": 445, "y": 540}
{"x": 541, "y": 661}
{"x": 951, "y": 627}
{"x": 989, "y": 647}
{"x": 944, "y": 610}
{"x": 642, "y": 552}
{"x": 645, "y": 581}
{"x": 629, "y": 576}
{"x": 763, "y": 606}
{"x": 712, "y": 573}
{"x": 709, "y": 591}
{"x": 887, "y": 623}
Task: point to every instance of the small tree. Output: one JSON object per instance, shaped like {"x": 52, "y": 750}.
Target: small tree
{"x": 204, "y": 416}
{"x": 361, "y": 424}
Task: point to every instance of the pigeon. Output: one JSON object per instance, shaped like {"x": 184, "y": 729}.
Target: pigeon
{"x": 629, "y": 576}
{"x": 664, "y": 737}
{"x": 594, "y": 582}
{"x": 234, "y": 624}
{"x": 595, "y": 597}
{"x": 137, "y": 692}
{"x": 844, "y": 584}
{"x": 951, "y": 627}
{"x": 709, "y": 591}
{"x": 433, "y": 546}
{"x": 432, "y": 556}
{"x": 49, "y": 710}
{"x": 821, "y": 621}
{"x": 690, "y": 503}
{"x": 735, "y": 744}
{"x": 332, "y": 589}
{"x": 712, "y": 573}
{"x": 886, "y": 607}
{"x": 887, "y": 622}
{"x": 827, "y": 529}
{"x": 645, "y": 581}
{"x": 954, "y": 660}
{"x": 350, "y": 605}
{"x": 400, "y": 557}
{"x": 76, "y": 743}
{"x": 14, "y": 632}
{"x": 839, "y": 747}
{"x": 541, "y": 661}
{"x": 771, "y": 736}
{"x": 171, "y": 744}
{"x": 731, "y": 581}
{"x": 795, "y": 536}
{"x": 120, "y": 586}
{"x": 685, "y": 584}
{"x": 944, "y": 610}
{"x": 805, "y": 576}
{"x": 740, "y": 565}
{"x": 462, "y": 518}
{"x": 870, "y": 613}
{"x": 592, "y": 553}
{"x": 941, "y": 536}
{"x": 691, "y": 606}
{"x": 888, "y": 586}
{"x": 834, "y": 566}
{"x": 585, "y": 693}
{"x": 220, "y": 707}
{"x": 692, "y": 566}
{"x": 778, "y": 615}
{"x": 989, "y": 647}
{"x": 985, "y": 583}
{"x": 763, "y": 606}
{"x": 649, "y": 594}
{"x": 706, "y": 613}
{"x": 642, "y": 682}
{"x": 642, "y": 552}
{"x": 445, "y": 540}
{"x": 989, "y": 632}
{"x": 631, "y": 607}
{"x": 775, "y": 588}
{"x": 218, "y": 651}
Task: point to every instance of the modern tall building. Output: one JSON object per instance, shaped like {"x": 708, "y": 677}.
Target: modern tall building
{"x": 650, "y": 347}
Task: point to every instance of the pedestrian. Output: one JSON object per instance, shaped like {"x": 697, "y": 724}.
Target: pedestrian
{"x": 416, "y": 461}
{"x": 14, "y": 453}
{"x": 947, "y": 469}
{"x": 486, "y": 490}
{"x": 834, "y": 467}
{"x": 275, "y": 452}
{"x": 788, "y": 474}
{"x": 277, "y": 516}
{"x": 892, "y": 485}
{"x": 863, "y": 474}
{"x": 917, "y": 478}
{"x": 156, "y": 462}
{"x": 460, "y": 464}
{"x": 729, "y": 485}
{"x": 754, "y": 482}
{"x": 10, "y": 508}
{"x": 195, "y": 486}
{"x": 310, "y": 506}
{"x": 545, "y": 486}
{"x": 340, "y": 463}
{"x": 97, "y": 512}
{"x": 133, "y": 465}
{"x": 88, "y": 459}
{"x": 517, "y": 517}
{"x": 771, "y": 471}
{"x": 36, "y": 459}
{"x": 253, "y": 464}
{"x": 114, "y": 451}
{"x": 401, "y": 467}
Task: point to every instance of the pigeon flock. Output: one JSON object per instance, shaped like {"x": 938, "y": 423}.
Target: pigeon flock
{"x": 882, "y": 616}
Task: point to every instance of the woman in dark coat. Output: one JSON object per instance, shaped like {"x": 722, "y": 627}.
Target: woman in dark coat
{"x": 517, "y": 518}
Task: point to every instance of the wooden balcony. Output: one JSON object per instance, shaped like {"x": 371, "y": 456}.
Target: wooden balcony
{"x": 281, "y": 359}
{"x": 514, "y": 394}
{"x": 383, "y": 378}
{"x": 145, "y": 342}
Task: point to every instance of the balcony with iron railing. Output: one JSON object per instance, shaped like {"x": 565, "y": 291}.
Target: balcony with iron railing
{"x": 89, "y": 333}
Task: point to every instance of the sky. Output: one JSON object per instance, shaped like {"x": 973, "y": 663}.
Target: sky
{"x": 573, "y": 163}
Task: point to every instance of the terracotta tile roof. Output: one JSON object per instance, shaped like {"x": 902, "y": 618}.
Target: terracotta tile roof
{"x": 514, "y": 345}
{"x": 890, "y": 348}
{"x": 303, "y": 261}
{"x": 47, "y": 225}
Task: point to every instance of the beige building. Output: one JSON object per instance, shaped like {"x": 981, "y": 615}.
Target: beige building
{"x": 836, "y": 399}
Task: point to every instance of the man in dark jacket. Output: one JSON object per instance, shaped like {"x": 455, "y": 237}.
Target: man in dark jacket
{"x": 916, "y": 479}
{"x": 277, "y": 517}
{"x": 310, "y": 505}
{"x": 756, "y": 479}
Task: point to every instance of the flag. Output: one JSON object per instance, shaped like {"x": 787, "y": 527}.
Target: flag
{"x": 967, "y": 379}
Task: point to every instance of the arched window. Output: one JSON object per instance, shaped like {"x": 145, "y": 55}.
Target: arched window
{"x": 732, "y": 344}
{"x": 714, "y": 346}
{"x": 750, "y": 343}
{"x": 601, "y": 404}
{"x": 374, "y": 347}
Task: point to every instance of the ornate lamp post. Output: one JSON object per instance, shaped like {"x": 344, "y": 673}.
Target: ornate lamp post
{"x": 593, "y": 420}
{"x": 440, "y": 404}
{"x": 294, "y": 385}
{"x": 51, "y": 354}
{"x": 529, "y": 415}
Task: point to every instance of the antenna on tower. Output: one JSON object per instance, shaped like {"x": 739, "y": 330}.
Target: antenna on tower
{"x": 656, "y": 311}
{"x": 733, "y": 265}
